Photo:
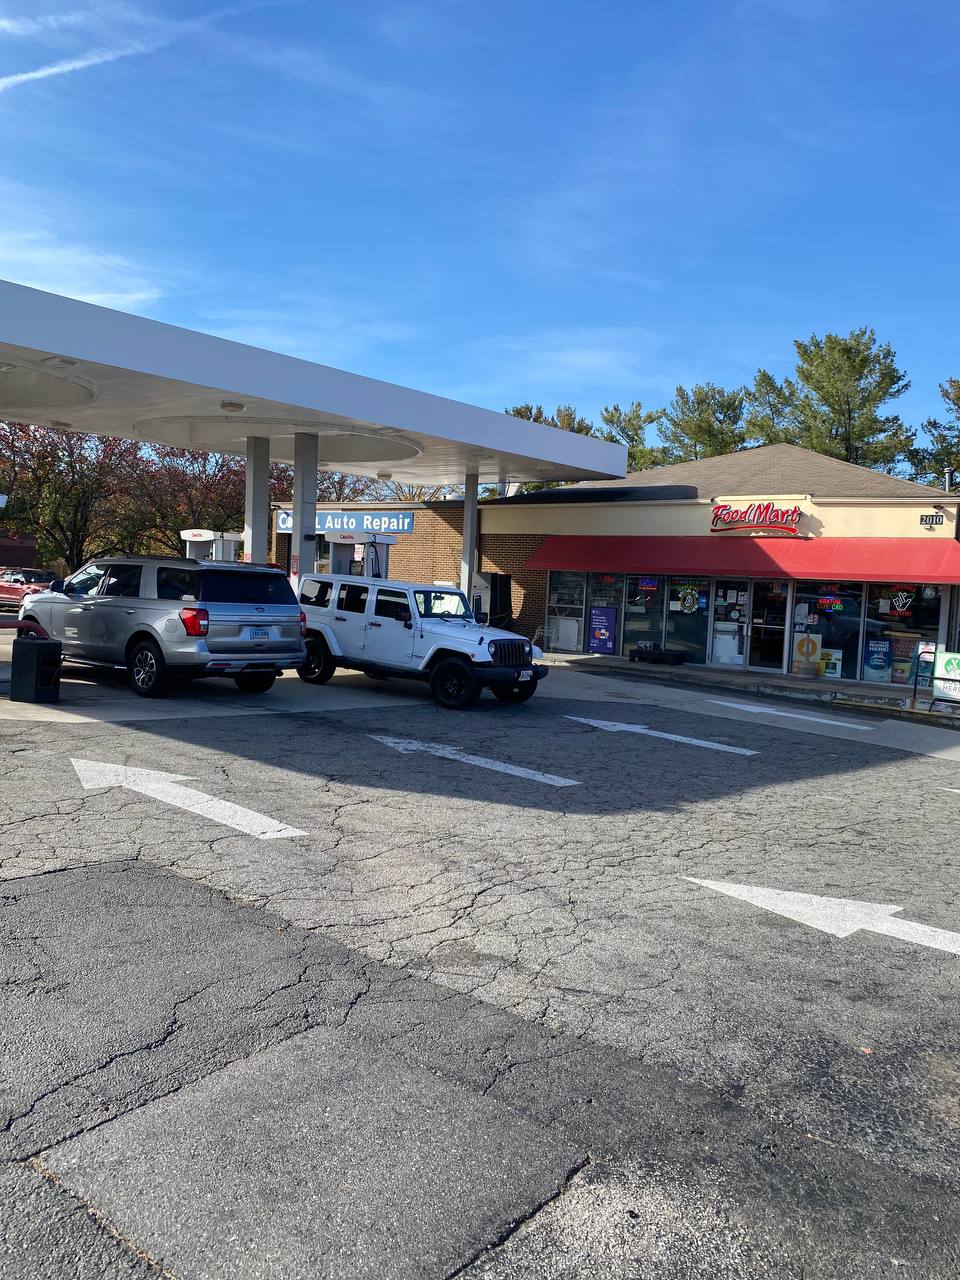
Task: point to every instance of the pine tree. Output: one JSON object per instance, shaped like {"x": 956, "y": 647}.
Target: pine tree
{"x": 842, "y": 386}
{"x": 702, "y": 423}
{"x": 628, "y": 427}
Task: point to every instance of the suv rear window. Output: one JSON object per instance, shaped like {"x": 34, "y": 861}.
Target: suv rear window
{"x": 178, "y": 584}
{"x": 219, "y": 586}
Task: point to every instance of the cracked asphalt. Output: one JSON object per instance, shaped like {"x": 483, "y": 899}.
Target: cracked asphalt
{"x": 470, "y": 1024}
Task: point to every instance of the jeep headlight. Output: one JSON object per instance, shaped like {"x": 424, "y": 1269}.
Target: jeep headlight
{"x": 527, "y": 648}
{"x": 492, "y": 648}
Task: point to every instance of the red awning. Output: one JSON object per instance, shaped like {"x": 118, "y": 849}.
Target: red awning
{"x": 728, "y": 556}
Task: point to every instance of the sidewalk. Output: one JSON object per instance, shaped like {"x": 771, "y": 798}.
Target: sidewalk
{"x": 889, "y": 701}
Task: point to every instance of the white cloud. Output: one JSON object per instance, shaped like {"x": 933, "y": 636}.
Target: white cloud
{"x": 64, "y": 66}
{"x": 313, "y": 326}
{"x": 586, "y": 365}
{"x": 38, "y": 26}
{"x": 41, "y": 259}
{"x": 156, "y": 34}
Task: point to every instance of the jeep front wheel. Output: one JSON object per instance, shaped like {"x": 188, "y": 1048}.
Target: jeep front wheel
{"x": 454, "y": 684}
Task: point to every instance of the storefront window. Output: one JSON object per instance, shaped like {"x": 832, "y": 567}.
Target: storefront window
{"x": 899, "y": 617}
{"x": 565, "y": 600}
{"x": 643, "y": 612}
{"x": 604, "y": 610}
{"x": 688, "y": 612}
{"x": 826, "y": 629}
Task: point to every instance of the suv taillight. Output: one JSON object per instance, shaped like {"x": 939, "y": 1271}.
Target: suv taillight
{"x": 196, "y": 622}
{"x": 303, "y": 623}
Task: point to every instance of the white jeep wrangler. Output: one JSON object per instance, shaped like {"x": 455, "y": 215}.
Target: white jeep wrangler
{"x": 418, "y": 631}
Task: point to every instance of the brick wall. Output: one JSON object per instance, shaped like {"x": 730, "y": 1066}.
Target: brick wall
{"x": 432, "y": 552}
{"x": 507, "y": 553}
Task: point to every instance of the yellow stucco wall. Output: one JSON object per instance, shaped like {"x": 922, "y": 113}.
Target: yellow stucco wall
{"x": 878, "y": 520}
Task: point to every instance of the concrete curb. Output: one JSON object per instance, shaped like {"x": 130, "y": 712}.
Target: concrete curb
{"x": 889, "y": 707}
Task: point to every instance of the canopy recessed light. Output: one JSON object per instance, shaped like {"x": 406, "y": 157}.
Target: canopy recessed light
{"x": 232, "y": 406}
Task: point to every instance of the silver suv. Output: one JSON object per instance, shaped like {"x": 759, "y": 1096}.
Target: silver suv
{"x": 160, "y": 618}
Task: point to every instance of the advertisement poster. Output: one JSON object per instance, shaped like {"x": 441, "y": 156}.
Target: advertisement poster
{"x": 806, "y": 653}
{"x": 946, "y": 678}
{"x": 603, "y": 630}
{"x": 878, "y": 661}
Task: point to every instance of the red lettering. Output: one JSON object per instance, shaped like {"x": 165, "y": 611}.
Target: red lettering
{"x": 758, "y": 515}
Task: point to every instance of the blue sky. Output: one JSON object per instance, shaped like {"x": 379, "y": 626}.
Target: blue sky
{"x": 561, "y": 201}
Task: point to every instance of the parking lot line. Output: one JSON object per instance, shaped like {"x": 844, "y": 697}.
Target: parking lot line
{"x": 613, "y": 726}
{"x": 408, "y": 745}
{"x": 792, "y": 715}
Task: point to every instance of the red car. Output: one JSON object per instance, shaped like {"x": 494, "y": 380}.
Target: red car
{"x": 17, "y": 584}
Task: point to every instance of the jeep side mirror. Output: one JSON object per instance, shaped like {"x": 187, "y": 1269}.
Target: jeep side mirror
{"x": 56, "y": 585}
{"x": 482, "y": 618}
{"x": 404, "y": 615}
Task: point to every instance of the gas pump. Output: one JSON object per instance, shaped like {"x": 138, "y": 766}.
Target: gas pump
{"x": 365, "y": 555}
{"x": 206, "y": 544}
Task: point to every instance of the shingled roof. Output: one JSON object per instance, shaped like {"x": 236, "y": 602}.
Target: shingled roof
{"x": 768, "y": 470}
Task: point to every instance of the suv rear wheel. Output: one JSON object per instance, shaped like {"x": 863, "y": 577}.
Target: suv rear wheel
{"x": 319, "y": 666}
{"x": 454, "y": 684}
{"x": 147, "y": 669}
{"x": 256, "y": 681}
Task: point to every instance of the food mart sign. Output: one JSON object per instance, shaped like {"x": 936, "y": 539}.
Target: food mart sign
{"x": 757, "y": 517}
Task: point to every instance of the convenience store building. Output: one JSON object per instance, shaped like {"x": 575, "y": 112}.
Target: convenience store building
{"x": 770, "y": 559}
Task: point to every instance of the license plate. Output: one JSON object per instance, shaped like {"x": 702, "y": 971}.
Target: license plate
{"x": 526, "y": 675}
{"x": 259, "y": 633}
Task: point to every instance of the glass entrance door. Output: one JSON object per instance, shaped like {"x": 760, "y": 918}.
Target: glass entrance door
{"x": 730, "y": 618}
{"x": 687, "y": 617}
{"x": 768, "y": 624}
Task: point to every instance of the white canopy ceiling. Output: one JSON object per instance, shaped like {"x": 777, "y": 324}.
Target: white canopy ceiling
{"x": 69, "y": 364}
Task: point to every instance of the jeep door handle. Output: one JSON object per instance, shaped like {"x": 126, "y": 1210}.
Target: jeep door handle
{"x": 337, "y": 618}
{"x": 85, "y": 608}
{"x": 131, "y": 611}
{"x": 374, "y": 624}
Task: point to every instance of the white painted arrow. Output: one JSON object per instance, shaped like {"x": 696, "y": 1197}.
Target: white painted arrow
{"x": 791, "y": 715}
{"x": 93, "y": 775}
{"x": 612, "y": 726}
{"x": 839, "y": 916}
{"x": 481, "y": 762}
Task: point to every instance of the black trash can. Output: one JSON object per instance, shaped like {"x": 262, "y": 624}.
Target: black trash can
{"x": 35, "y": 670}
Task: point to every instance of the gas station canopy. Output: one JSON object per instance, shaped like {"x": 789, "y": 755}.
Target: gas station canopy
{"x": 81, "y": 367}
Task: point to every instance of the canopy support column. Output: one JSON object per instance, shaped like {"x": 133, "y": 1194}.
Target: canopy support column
{"x": 256, "y": 508}
{"x": 468, "y": 556}
{"x": 304, "y": 534}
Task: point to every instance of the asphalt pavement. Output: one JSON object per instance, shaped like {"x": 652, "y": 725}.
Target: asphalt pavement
{"x": 333, "y": 982}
